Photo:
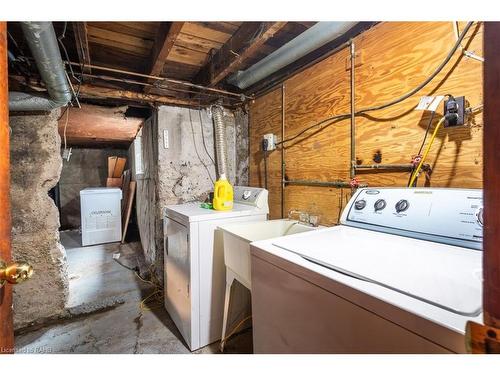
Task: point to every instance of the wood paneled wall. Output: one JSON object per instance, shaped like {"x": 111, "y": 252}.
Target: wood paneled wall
{"x": 392, "y": 59}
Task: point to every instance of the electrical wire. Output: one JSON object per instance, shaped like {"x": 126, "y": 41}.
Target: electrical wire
{"x": 224, "y": 340}
{"x": 78, "y": 80}
{"x": 329, "y": 121}
{"x": 63, "y": 113}
{"x": 426, "y": 132}
{"x": 265, "y": 168}
{"x": 393, "y": 102}
{"x": 157, "y": 293}
{"x": 65, "y": 126}
{"x": 203, "y": 138}
{"x": 60, "y": 40}
{"x": 471, "y": 110}
{"x": 196, "y": 148}
{"x": 134, "y": 269}
{"x": 466, "y": 53}
{"x": 164, "y": 79}
{"x": 429, "y": 124}
{"x": 341, "y": 204}
{"x": 424, "y": 156}
{"x": 145, "y": 304}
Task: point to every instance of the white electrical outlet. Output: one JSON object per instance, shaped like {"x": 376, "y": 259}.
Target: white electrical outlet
{"x": 271, "y": 141}
{"x": 165, "y": 138}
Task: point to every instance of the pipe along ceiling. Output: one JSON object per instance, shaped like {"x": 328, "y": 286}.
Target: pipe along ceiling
{"x": 43, "y": 45}
{"x": 310, "y": 40}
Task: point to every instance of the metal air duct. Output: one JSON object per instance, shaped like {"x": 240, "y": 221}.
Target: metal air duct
{"x": 42, "y": 42}
{"x": 310, "y": 40}
{"x": 220, "y": 140}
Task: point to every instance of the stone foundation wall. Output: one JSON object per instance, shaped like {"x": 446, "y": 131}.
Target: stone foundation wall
{"x": 35, "y": 168}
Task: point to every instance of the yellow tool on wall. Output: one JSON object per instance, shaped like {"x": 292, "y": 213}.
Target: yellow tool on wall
{"x": 223, "y": 195}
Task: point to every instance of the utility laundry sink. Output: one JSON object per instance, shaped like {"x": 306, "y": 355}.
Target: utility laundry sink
{"x": 237, "y": 239}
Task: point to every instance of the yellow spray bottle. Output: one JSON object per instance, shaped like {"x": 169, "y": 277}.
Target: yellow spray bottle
{"x": 223, "y": 194}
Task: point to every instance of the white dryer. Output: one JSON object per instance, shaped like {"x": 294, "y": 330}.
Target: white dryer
{"x": 401, "y": 274}
{"x": 195, "y": 275}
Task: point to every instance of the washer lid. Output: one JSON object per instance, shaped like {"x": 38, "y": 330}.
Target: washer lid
{"x": 443, "y": 275}
{"x": 193, "y": 212}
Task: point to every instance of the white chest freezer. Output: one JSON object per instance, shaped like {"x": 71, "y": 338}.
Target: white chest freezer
{"x": 101, "y": 215}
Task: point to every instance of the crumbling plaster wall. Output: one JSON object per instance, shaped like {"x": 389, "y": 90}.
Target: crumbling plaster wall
{"x": 146, "y": 193}
{"x": 185, "y": 163}
{"x": 35, "y": 169}
{"x": 186, "y": 168}
{"x": 242, "y": 149}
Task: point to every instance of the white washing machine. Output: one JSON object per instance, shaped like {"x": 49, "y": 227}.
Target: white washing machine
{"x": 401, "y": 274}
{"x": 195, "y": 276}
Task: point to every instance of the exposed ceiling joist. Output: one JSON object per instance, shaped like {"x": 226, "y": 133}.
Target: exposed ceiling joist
{"x": 82, "y": 45}
{"x": 99, "y": 92}
{"x": 164, "y": 41}
{"x": 163, "y": 96}
{"x": 243, "y": 45}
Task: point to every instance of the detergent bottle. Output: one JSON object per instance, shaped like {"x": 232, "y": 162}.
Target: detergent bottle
{"x": 223, "y": 194}
{"x": 223, "y": 191}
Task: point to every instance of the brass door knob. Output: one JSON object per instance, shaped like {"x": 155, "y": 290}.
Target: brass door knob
{"x": 14, "y": 273}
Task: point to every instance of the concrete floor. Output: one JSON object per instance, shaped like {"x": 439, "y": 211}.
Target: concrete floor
{"x": 96, "y": 279}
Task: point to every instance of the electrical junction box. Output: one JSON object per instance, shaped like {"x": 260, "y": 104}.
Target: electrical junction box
{"x": 455, "y": 105}
{"x": 270, "y": 140}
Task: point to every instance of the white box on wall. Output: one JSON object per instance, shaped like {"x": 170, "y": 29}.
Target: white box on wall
{"x": 138, "y": 161}
{"x": 101, "y": 215}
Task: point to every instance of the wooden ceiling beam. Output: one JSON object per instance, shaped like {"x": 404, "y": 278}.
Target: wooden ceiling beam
{"x": 243, "y": 45}
{"x": 99, "y": 92}
{"x": 82, "y": 45}
{"x": 164, "y": 42}
{"x": 115, "y": 93}
{"x": 97, "y": 125}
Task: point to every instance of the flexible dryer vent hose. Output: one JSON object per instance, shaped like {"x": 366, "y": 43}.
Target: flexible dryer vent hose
{"x": 220, "y": 140}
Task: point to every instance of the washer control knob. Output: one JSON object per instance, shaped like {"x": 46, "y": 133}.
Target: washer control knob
{"x": 402, "y": 205}
{"x": 380, "y": 204}
{"x": 479, "y": 216}
{"x": 359, "y": 205}
{"x": 246, "y": 194}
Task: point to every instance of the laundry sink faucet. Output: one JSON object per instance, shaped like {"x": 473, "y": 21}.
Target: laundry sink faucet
{"x": 304, "y": 217}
